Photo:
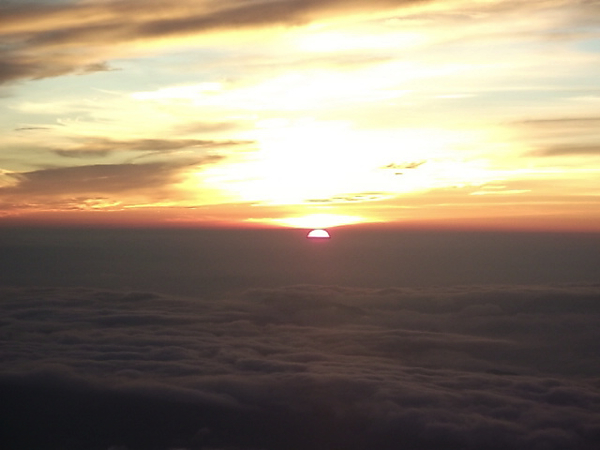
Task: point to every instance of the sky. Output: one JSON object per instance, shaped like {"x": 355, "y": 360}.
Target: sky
{"x": 480, "y": 114}
{"x": 162, "y": 162}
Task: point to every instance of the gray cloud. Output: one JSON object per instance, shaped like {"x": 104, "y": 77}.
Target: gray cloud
{"x": 302, "y": 367}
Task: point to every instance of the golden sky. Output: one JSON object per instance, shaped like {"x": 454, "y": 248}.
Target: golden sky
{"x": 306, "y": 113}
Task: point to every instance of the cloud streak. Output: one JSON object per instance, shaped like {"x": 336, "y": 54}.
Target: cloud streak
{"x": 569, "y": 150}
{"x": 103, "y": 146}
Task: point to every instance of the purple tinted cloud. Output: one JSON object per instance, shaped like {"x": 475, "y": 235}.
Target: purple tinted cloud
{"x": 303, "y": 367}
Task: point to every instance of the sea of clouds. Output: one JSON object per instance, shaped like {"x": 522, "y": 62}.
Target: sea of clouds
{"x": 301, "y": 367}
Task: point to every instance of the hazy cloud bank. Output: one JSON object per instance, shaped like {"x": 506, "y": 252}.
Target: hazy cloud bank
{"x": 302, "y": 367}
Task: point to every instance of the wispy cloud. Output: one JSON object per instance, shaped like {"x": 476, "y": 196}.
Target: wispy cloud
{"x": 569, "y": 150}
{"x": 103, "y": 146}
{"x": 353, "y": 197}
{"x": 574, "y": 121}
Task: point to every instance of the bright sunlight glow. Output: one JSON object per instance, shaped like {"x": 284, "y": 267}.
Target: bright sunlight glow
{"x": 319, "y": 221}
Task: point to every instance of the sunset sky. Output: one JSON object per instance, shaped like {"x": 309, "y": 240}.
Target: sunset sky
{"x": 308, "y": 113}
{"x": 162, "y": 161}
{"x": 301, "y": 113}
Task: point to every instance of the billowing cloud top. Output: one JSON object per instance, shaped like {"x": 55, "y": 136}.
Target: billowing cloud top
{"x": 302, "y": 367}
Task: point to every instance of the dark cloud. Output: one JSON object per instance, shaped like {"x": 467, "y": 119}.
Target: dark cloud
{"x": 302, "y": 367}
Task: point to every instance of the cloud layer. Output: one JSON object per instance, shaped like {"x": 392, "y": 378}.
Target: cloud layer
{"x": 302, "y": 367}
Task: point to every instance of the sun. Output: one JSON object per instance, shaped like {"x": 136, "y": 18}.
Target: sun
{"x": 318, "y": 234}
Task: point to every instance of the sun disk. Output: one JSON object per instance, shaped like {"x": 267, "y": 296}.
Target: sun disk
{"x": 318, "y": 234}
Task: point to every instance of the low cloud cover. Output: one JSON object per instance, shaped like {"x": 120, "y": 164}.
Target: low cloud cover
{"x": 302, "y": 367}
